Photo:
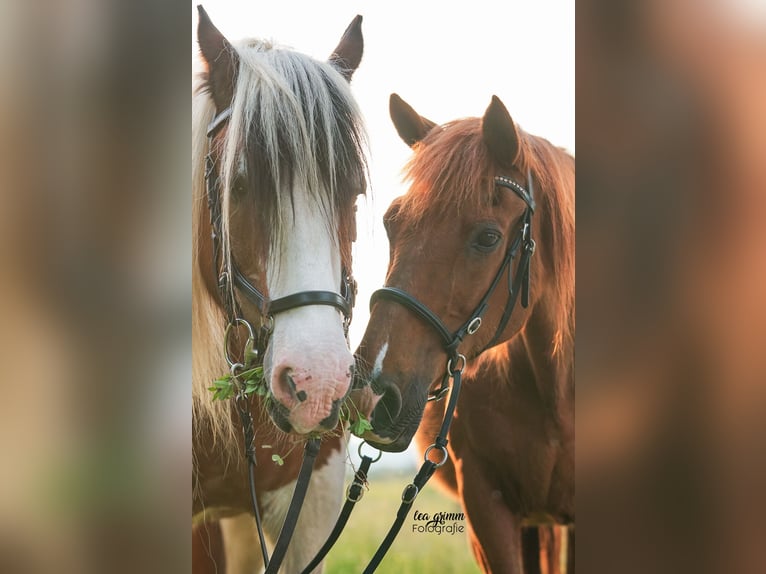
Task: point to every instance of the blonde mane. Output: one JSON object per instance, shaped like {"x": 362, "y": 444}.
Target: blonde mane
{"x": 294, "y": 125}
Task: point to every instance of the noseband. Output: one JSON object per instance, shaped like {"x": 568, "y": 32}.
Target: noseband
{"x": 516, "y": 286}
{"x": 343, "y": 301}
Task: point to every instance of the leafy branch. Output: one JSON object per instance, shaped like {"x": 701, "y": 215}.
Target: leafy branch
{"x": 227, "y": 386}
{"x": 360, "y": 424}
{"x": 252, "y": 382}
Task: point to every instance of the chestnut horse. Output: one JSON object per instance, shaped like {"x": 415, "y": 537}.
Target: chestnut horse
{"x": 284, "y": 145}
{"x": 480, "y": 187}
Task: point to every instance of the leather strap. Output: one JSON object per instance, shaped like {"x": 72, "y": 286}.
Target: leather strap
{"x": 305, "y": 298}
{"x": 296, "y": 503}
{"x": 528, "y": 195}
{"x": 217, "y": 122}
{"x": 519, "y": 285}
{"x": 249, "y": 290}
{"x": 426, "y": 471}
{"x": 354, "y": 495}
{"x": 406, "y": 300}
{"x": 249, "y": 435}
{"x": 408, "y": 497}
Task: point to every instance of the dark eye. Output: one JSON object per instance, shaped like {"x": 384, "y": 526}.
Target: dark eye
{"x": 239, "y": 186}
{"x": 487, "y": 239}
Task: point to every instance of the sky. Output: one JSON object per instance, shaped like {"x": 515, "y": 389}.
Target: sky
{"x": 445, "y": 59}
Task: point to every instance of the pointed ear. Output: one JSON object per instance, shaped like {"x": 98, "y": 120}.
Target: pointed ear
{"x": 348, "y": 53}
{"x": 411, "y": 126}
{"x": 500, "y": 134}
{"x": 221, "y": 60}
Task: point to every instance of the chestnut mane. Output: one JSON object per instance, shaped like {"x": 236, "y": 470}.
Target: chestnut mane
{"x": 452, "y": 167}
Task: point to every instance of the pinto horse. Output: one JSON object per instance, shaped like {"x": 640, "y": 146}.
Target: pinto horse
{"x": 278, "y": 162}
{"x": 484, "y": 197}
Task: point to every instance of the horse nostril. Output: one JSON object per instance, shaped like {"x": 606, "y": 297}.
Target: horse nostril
{"x": 387, "y": 410}
{"x": 288, "y": 387}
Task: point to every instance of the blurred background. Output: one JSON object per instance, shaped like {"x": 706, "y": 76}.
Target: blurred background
{"x": 94, "y": 251}
{"x": 671, "y": 286}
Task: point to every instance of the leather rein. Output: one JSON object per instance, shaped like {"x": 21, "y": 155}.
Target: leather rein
{"x": 518, "y": 285}
{"x": 255, "y": 347}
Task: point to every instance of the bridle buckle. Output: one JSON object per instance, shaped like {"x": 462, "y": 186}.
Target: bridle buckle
{"x": 473, "y": 326}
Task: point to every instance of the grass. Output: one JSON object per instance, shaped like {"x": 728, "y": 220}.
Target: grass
{"x": 412, "y": 552}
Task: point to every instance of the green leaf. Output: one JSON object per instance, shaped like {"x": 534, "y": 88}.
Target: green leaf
{"x": 223, "y": 388}
{"x": 361, "y": 425}
{"x": 278, "y": 459}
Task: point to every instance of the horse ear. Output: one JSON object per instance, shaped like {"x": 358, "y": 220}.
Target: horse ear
{"x": 348, "y": 53}
{"x": 411, "y": 126}
{"x": 220, "y": 58}
{"x": 500, "y": 133}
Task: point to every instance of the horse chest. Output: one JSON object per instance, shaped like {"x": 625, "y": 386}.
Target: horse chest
{"x": 513, "y": 441}
{"x": 221, "y": 482}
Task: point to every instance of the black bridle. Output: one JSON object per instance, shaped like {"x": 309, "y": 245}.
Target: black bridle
{"x": 516, "y": 286}
{"x": 455, "y": 365}
{"x": 256, "y": 346}
{"x": 343, "y": 301}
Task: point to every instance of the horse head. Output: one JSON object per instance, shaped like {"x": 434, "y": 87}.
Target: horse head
{"x": 285, "y": 149}
{"x": 461, "y": 277}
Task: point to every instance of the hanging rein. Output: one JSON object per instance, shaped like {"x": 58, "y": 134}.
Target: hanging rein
{"x": 518, "y": 285}
{"x": 255, "y": 346}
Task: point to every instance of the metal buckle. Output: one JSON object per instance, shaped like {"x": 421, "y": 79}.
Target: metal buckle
{"x": 474, "y": 325}
{"x": 445, "y": 455}
{"x": 359, "y": 450}
{"x": 438, "y": 395}
{"x": 460, "y": 360}
{"x": 361, "y": 492}
{"x": 249, "y": 344}
{"x": 410, "y": 493}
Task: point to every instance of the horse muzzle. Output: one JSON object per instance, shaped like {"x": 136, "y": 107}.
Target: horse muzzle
{"x": 395, "y": 415}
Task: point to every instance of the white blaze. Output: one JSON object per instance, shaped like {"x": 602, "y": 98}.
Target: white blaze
{"x": 378, "y": 365}
{"x": 309, "y": 341}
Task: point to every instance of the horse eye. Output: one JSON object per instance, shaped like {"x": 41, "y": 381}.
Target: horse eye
{"x": 487, "y": 239}
{"x": 239, "y": 186}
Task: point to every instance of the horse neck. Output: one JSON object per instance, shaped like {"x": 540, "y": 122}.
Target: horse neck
{"x": 534, "y": 350}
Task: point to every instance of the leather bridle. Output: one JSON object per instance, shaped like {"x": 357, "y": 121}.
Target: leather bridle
{"x": 343, "y": 301}
{"x": 255, "y": 346}
{"x": 516, "y": 286}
